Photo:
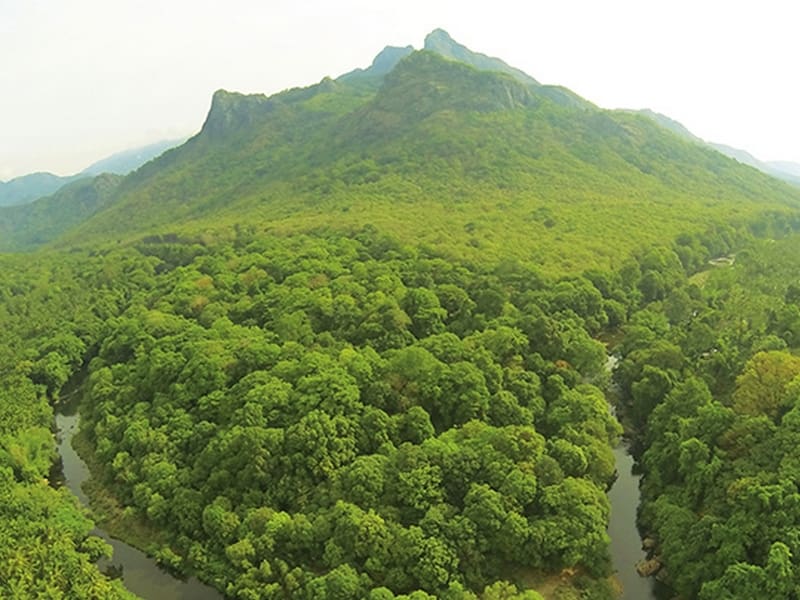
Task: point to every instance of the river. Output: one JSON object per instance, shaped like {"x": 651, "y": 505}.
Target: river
{"x": 626, "y": 544}
{"x": 140, "y": 573}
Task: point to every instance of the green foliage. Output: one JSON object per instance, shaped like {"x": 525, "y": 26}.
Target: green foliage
{"x": 47, "y": 550}
{"x": 761, "y": 388}
{"x": 713, "y": 399}
{"x": 49, "y": 309}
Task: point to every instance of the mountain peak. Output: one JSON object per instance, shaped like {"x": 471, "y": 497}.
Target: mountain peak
{"x": 438, "y": 36}
{"x": 387, "y": 59}
{"x": 384, "y": 62}
{"x": 440, "y": 42}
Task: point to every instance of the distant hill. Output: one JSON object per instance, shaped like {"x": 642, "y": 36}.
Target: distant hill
{"x": 126, "y": 161}
{"x": 478, "y": 162}
{"x": 773, "y": 169}
{"x": 27, "y": 226}
{"x": 27, "y": 188}
{"x": 790, "y": 168}
{"x": 384, "y": 62}
{"x": 786, "y": 171}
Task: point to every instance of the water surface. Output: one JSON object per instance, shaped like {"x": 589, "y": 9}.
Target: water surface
{"x": 626, "y": 545}
{"x": 140, "y": 573}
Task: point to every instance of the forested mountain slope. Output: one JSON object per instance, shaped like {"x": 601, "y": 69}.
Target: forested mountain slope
{"x": 785, "y": 171}
{"x": 443, "y": 154}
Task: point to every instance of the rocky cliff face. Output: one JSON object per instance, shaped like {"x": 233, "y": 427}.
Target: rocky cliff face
{"x": 232, "y": 111}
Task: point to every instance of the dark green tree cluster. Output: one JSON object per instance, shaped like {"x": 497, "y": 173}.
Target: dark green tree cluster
{"x": 345, "y": 417}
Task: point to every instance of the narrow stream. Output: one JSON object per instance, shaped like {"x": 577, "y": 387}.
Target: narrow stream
{"x": 140, "y": 573}
{"x": 626, "y": 544}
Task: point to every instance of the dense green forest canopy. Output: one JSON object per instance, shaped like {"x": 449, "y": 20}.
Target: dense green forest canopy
{"x": 46, "y": 549}
{"x": 347, "y": 416}
{"x": 306, "y": 413}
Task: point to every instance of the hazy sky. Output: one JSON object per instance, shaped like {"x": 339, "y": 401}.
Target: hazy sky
{"x": 82, "y": 79}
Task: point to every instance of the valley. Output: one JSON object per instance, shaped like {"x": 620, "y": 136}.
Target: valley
{"x": 344, "y": 343}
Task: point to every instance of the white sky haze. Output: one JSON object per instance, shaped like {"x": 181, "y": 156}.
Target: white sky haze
{"x": 82, "y": 79}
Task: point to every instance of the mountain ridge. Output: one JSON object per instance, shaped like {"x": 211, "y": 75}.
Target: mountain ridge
{"x": 384, "y": 61}
{"x": 437, "y": 141}
{"x": 436, "y": 149}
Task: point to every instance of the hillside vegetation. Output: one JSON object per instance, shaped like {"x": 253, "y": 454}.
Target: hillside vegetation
{"x": 439, "y": 154}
